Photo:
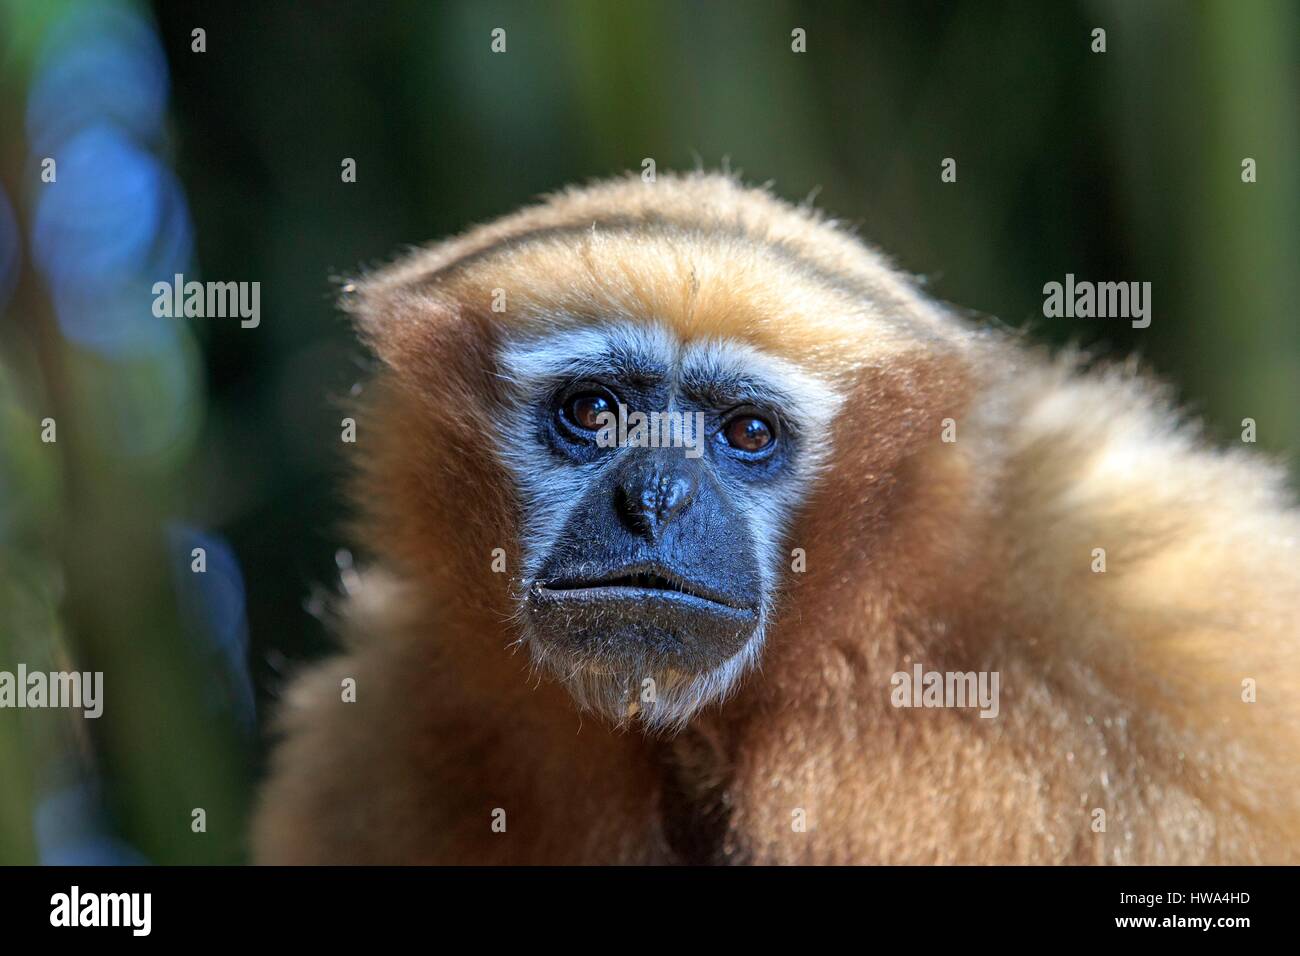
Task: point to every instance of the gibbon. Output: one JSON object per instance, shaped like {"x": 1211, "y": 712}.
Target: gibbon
{"x": 585, "y": 640}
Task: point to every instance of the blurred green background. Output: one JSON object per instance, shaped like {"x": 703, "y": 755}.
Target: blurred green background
{"x": 225, "y": 164}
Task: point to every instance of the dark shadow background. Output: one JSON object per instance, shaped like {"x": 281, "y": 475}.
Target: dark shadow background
{"x": 225, "y": 165}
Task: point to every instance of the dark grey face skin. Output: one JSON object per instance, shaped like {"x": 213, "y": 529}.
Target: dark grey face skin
{"x": 654, "y": 566}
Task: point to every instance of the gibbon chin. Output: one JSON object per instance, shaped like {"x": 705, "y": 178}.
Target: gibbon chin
{"x": 698, "y": 640}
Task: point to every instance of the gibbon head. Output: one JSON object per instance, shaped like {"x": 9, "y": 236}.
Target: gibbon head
{"x": 641, "y": 398}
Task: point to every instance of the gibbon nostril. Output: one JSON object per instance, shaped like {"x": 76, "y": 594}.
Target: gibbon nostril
{"x": 674, "y": 492}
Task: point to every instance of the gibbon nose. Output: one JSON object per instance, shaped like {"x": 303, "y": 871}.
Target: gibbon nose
{"x": 654, "y": 490}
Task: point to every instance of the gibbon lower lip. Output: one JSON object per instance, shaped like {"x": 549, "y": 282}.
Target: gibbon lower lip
{"x": 640, "y": 585}
{"x": 609, "y": 623}
{"x": 641, "y": 596}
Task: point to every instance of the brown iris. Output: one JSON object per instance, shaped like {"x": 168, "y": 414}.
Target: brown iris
{"x": 585, "y": 411}
{"x": 748, "y": 433}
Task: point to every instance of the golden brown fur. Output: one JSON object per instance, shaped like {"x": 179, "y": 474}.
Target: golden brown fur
{"x": 1120, "y": 690}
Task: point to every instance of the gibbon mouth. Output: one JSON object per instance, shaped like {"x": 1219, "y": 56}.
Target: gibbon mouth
{"x": 646, "y": 583}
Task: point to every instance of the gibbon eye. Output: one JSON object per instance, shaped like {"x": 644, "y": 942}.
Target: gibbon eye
{"x": 748, "y": 433}
{"x": 585, "y": 410}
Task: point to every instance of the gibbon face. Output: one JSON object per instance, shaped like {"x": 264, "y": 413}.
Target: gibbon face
{"x": 652, "y": 554}
{"x": 646, "y": 566}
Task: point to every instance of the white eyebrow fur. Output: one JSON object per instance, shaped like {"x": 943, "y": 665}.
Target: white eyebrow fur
{"x": 533, "y": 362}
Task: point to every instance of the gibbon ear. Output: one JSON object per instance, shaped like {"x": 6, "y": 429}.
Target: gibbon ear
{"x": 430, "y": 344}
{"x": 409, "y": 329}
{"x": 393, "y": 323}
